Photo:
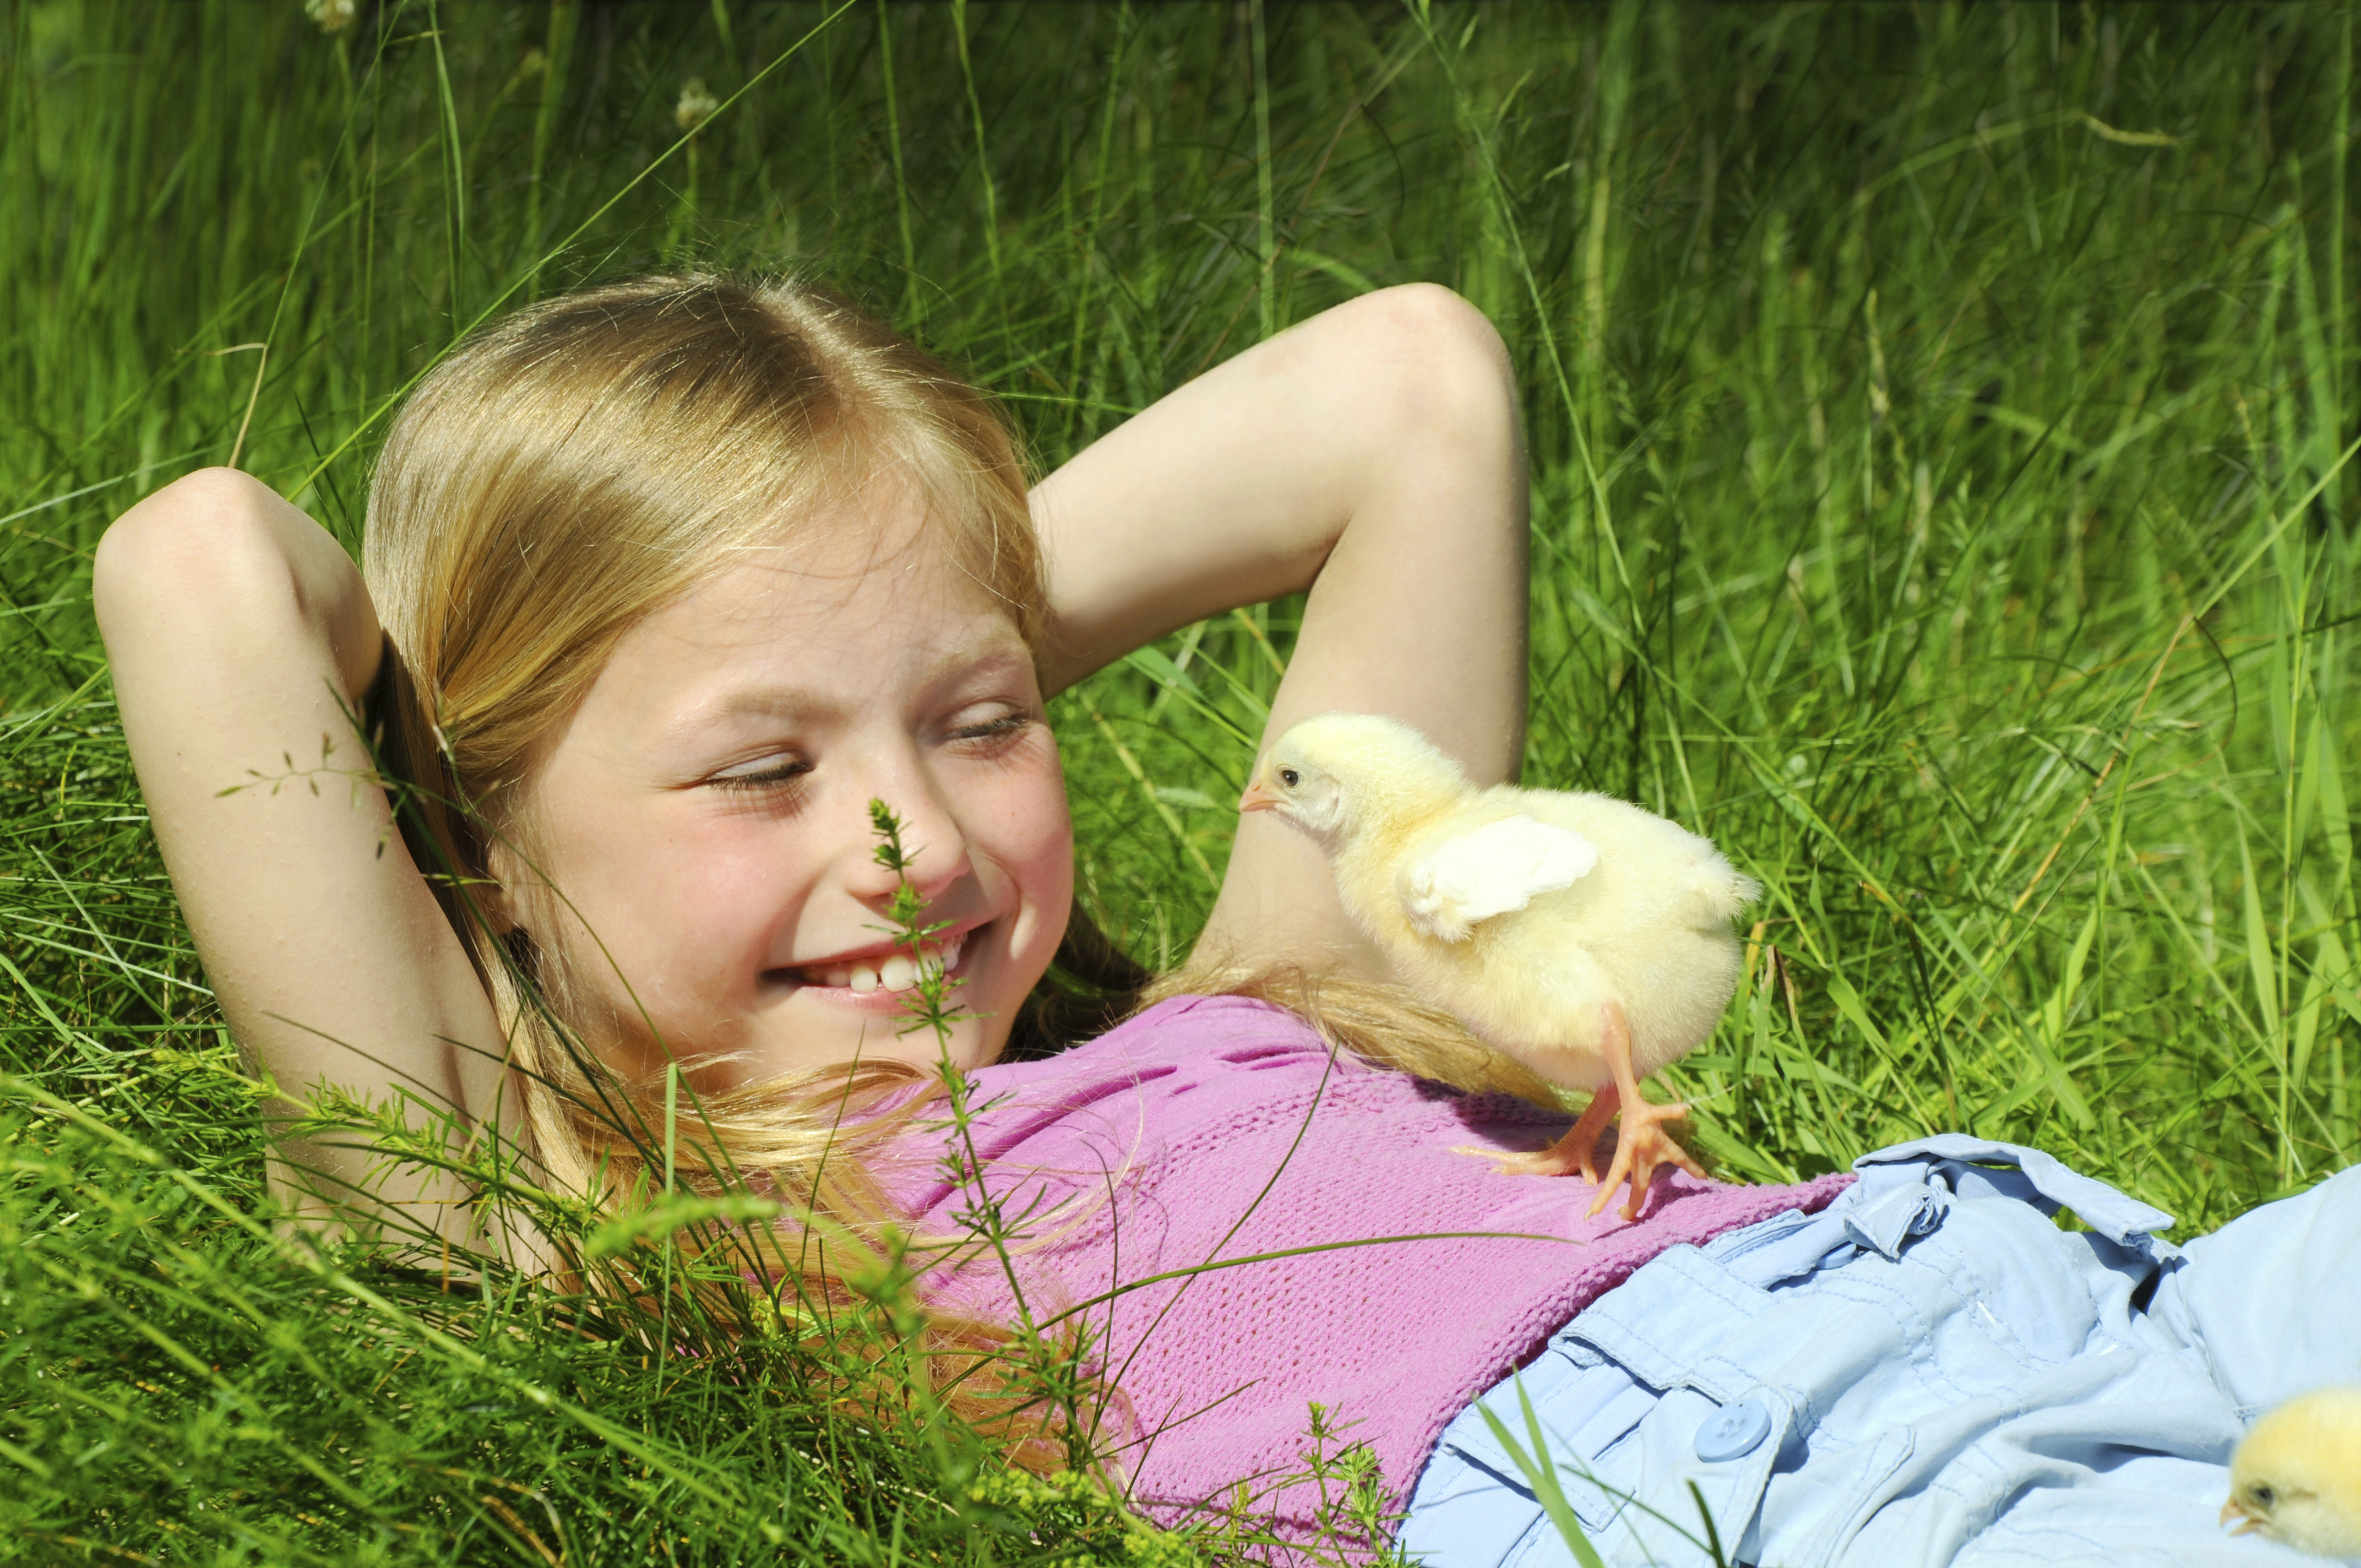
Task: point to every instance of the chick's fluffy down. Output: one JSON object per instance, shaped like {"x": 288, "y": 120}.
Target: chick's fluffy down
{"x": 1648, "y": 925}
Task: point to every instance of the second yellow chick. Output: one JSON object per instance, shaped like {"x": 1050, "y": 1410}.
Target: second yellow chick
{"x": 2297, "y": 1477}
{"x": 1587, "y": 937}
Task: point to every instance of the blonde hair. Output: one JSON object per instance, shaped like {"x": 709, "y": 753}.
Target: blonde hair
{"x": 1380, "y": 1022}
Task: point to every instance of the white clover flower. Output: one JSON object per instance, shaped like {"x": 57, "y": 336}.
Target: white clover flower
{"x": 333, "y": 16}
{"x": 696, "y": 106}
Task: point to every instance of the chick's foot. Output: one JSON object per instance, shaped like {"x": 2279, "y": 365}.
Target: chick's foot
{"x": 1578, "y": 1150}
{"x": 1641, "y": 1147}
{"x": 1640, "y": 1144}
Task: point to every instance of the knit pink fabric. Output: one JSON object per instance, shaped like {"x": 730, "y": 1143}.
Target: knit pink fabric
{"x": 1208, "y": 1129}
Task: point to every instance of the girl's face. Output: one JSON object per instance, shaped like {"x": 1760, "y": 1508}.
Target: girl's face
{"x": 705, "y": 813}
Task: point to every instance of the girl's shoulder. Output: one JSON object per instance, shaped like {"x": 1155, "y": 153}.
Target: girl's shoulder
{"x": 1185, "y": 1025}
{"x": 1198, "y": 1038}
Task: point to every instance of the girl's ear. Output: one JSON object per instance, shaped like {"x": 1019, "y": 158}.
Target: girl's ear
{"x": 494, "y": 896}
{"x": 499, "y": 910}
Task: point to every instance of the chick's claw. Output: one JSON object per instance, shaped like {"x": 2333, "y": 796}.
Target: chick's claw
{"x": 1558, "y": 1159}
{"x": 1578, "y": 1150}
{"x": 1594, "y": 1117}
{"x": 1641, "y": 1147}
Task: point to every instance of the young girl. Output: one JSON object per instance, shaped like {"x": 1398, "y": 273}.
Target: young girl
{"x": 666, "y": 581}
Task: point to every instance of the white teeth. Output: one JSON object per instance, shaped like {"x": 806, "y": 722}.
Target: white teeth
{"x": 897, "y": 972}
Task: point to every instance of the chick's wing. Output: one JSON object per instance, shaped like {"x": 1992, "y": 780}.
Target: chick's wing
{"x": 1446, "y": 887}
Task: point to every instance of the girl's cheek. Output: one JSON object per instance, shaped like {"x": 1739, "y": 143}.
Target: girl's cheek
{"x": 687, "y": 904}
{"x": 753, "y": 882}
{"x": 1015, "y": 803}
{"x": 1042, "y": 836}
{"x": 1052, "y": 816}
{"x": 1049, "y": 852}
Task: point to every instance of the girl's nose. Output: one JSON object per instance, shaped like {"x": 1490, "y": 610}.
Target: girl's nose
{"x": 933, "y": 850}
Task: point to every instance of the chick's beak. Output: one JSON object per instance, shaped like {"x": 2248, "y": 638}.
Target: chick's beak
{"x": 1258, "y": 798}
{"x": 2246, "y": 1521}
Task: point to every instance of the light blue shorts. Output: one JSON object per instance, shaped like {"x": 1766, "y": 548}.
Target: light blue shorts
{"x": 1928, "y": 1371}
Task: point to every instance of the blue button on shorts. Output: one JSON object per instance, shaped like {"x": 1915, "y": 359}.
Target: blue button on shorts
{"x": 1948, "y": 1378}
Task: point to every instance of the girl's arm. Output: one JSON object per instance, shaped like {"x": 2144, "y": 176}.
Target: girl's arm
{"x": 235, "y": 626}
{"x": 1371, "y": 454}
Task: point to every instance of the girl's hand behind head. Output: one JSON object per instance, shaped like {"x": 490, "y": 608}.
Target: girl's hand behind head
{"x": 694, "y": 848}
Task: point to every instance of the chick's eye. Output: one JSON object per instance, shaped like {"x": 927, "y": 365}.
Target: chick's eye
{"x": 1289, "y": 777}
{"x": 2265, "y": 1497}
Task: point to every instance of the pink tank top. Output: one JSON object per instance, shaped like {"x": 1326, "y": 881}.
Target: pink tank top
{"x": 1216, "y": 1128}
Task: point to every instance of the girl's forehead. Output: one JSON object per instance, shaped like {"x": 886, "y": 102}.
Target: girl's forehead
{"x": 835, "y": 612}
{"x": 884, "y": 531}
{"x": 824, "y": 579}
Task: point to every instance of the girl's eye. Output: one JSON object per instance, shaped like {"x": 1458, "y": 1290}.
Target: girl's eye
{"x": 1007, "y": 725}
{"x": 771, "y": 774}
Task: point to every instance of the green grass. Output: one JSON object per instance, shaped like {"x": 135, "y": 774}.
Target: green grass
{"x": 1939, "y": 420}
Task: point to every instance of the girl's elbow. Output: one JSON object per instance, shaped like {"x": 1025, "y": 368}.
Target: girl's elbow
{"x": 1438, "y": 324}
{"x": 1452, "y": 380}
{"x": 203, "y": 540}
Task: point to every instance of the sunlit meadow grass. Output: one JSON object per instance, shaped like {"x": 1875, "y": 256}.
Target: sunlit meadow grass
{"x": 1940, "y": 421}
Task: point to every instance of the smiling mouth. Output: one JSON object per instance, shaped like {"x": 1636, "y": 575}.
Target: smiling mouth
{"x": 890, "y": 973}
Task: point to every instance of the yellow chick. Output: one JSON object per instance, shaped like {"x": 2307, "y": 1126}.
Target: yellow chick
{"x": 2297, "y": 1477}
{"x": 1587, "y": 937}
